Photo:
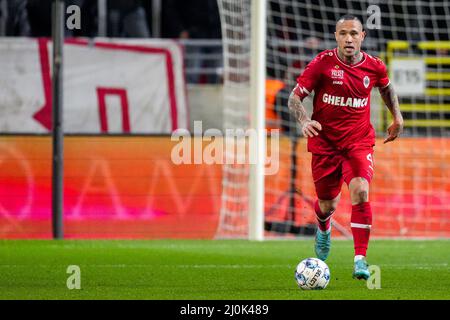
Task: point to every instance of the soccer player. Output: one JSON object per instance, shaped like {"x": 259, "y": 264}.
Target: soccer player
{"x": 340, "y": 135}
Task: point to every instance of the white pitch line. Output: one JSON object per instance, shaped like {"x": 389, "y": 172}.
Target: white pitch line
{"x": 182, "y": 266}
{"x": 217, "y": 266}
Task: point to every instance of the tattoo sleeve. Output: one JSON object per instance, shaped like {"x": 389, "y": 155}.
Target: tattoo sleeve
{"x": 391, "y": 100}
{"x": 296, "y": 108}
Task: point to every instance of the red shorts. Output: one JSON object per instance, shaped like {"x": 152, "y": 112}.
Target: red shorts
{"x": 330, "y": 171}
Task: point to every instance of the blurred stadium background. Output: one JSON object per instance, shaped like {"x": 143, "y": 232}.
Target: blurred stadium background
{"x": 138, "y": 70}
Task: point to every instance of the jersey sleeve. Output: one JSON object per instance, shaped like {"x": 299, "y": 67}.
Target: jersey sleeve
{"x": 308, "y": 80}
{"x": 383, "y": 79}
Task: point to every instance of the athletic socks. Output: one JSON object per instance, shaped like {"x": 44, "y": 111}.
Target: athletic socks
{"x": 323, "y": 219}
{"x": 361, "y": 222}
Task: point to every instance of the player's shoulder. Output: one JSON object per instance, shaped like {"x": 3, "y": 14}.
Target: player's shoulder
{"x": 376, "y": 61}
{"x": 324, "y": 56}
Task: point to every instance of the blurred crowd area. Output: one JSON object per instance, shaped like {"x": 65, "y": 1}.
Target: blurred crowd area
{"x": 297, "y": 30}
{"x": 192, "y": 22}
{"x": 193, "y": 19}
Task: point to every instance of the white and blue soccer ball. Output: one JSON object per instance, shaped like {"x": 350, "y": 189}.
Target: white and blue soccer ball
{"x": 312, "y": 274}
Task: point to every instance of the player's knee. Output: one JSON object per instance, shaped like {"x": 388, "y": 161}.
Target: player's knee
{"x": 328, "y": 206}
{"x": 362, "y": 196}
{"x": 359, "y": 190}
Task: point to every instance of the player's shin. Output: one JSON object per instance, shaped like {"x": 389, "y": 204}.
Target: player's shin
{"x": 361, "y": 222}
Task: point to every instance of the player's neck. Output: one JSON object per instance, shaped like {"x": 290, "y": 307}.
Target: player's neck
{"x": 350, "y": 59}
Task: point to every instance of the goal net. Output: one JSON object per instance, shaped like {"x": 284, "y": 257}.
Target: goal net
{"x": 411, "y": 189}
{"x": 235, "y": 17}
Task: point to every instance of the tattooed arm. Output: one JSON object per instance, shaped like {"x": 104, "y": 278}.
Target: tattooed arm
{"x": 298, "y": 111}
{"x": 391, "y": 100}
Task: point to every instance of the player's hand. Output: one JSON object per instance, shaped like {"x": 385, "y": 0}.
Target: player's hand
{"x": 311, "y": 128}
{"x": 395, "y": 129}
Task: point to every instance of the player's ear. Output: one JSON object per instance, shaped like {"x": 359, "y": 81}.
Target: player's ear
{"x": 363, "y": 35}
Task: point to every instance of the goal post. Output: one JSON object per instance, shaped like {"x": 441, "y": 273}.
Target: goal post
{"x": 257, "y": 118}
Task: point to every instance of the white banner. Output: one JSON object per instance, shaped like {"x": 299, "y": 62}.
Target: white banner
{"x": 110, "y": 86}
{"x": 408, "y": 76}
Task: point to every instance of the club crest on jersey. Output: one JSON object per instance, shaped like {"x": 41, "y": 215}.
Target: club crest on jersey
{"x": 366, "y": 81}
{"x": 337, "y": 74}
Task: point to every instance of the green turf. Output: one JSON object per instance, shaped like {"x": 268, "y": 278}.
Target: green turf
{"x": 228, "y": 269}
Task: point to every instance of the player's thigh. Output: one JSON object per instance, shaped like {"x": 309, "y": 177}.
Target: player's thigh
{"x": 327, "y": 175}
{"x": 358, "y": 164}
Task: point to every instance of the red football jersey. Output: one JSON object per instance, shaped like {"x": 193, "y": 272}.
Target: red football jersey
{"x": 342, "y": 100}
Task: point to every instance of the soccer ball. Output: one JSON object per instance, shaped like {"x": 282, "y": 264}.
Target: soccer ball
{"x": 312, "y": 274}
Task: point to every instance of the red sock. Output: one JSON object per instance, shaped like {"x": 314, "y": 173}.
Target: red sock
{"x": 361, "y": 223}
{"x": 323, "y": 219}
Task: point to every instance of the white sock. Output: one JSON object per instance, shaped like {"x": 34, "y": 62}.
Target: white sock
{"x": 358, "y": 257}
{"x": 325, "y": 232}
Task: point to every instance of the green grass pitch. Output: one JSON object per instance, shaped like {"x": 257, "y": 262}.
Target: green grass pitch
{"x": 221, "y": 269}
